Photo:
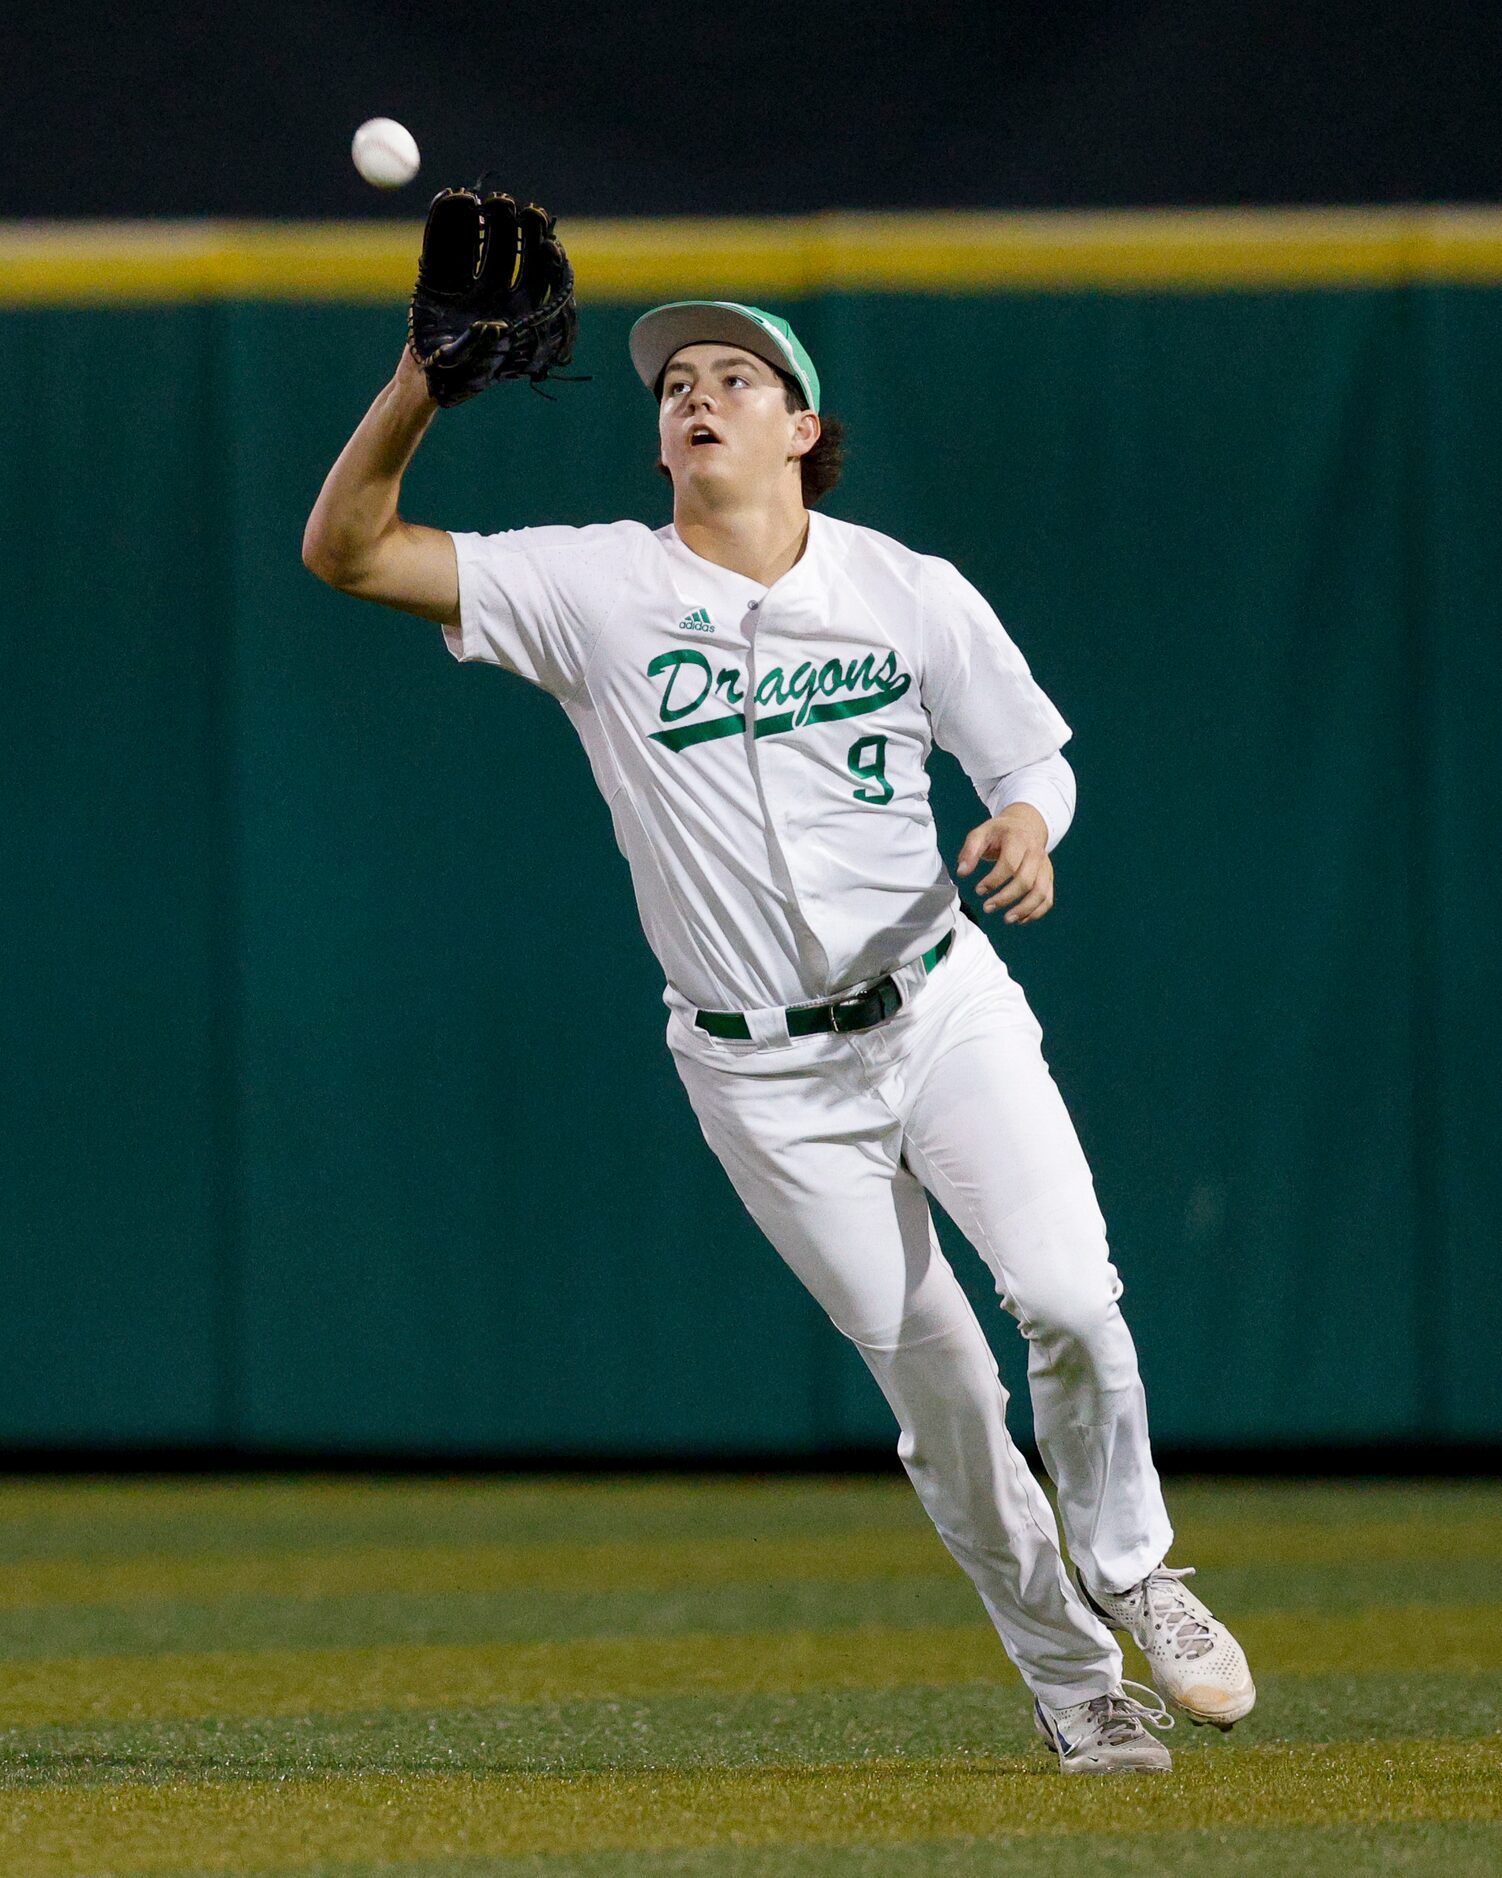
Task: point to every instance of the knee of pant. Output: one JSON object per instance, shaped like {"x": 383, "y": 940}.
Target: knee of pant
{"x": 946, "y": 1318}
{"x": 1056, "y": 1275}
{"x": 1061, "y": 1312}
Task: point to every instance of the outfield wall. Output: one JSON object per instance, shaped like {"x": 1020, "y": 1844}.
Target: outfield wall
{"x": 336, "y": 1109}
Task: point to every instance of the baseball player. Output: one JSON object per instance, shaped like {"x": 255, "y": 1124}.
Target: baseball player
{"x": 757, "y": 687}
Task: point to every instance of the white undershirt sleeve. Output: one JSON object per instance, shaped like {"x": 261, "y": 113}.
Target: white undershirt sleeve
{"x": 1048, "y": 785}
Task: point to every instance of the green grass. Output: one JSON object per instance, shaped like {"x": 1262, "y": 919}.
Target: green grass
{"x": 339, "y": 1679}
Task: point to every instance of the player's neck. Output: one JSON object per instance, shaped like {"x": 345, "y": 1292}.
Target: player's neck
{"x": 761, "y": 543}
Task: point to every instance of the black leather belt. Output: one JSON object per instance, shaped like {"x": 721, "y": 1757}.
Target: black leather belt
{"x": 874, "y": 1005}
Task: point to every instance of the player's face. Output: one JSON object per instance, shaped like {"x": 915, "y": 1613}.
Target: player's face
{"x": 724, "y": 428}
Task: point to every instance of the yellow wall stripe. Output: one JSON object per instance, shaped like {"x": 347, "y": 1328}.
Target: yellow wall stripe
{"x": 124, "y": 263}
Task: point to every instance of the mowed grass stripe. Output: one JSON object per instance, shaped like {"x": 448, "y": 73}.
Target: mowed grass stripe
{"x": 660, "y": 1564}
{"x": 1403, "y": 1849}
{"x": 283, "y": 1682}
{"x": 958, "y": 1722}
{"x": 1407, "y": 1849}
{"x": 1294, "y": 1522}
{"x": 103, "y": 1516}
{"x": 523, "y": 1615}
{"x": 296, "y": 1823}
{"x": 636, "y": 1564}
{"x": 331, "y": 1682}
{"x": 539, "y": 1614}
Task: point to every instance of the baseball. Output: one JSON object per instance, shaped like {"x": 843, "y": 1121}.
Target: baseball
{"x": 385, "y": 153}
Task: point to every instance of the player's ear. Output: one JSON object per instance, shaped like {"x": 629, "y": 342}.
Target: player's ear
{"x": 806, "y": 431}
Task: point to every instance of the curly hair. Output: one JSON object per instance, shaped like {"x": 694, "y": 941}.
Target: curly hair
{"x": 821, "y": 467}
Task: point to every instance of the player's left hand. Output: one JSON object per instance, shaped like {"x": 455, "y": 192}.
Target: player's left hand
{"x": 1017, "y": 841}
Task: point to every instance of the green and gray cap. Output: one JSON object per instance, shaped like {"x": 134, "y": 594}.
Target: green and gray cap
{"x": 657, "y": 335}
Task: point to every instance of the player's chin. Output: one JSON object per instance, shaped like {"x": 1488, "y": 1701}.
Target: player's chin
{"x": 716, "y": 476}
{"x": 705, "y": 459}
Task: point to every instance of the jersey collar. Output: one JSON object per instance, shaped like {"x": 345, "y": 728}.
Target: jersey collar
{"x": 803, "y": 570}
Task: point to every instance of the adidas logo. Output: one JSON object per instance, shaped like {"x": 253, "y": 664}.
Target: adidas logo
{"x": 697, "y": 622}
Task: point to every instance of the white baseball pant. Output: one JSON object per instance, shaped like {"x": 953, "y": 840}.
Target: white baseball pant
{"x": 830, "y": 1142}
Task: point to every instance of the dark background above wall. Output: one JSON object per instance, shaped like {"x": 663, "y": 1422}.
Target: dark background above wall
{"x": 677, "y": 109}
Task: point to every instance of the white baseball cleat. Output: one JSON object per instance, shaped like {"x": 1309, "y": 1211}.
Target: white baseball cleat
{"x": 1105, "y": 1735}
{"x": 1194, "y": 1660}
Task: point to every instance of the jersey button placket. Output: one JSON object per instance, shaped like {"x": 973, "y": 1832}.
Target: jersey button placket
{"x": 780, "y": 825}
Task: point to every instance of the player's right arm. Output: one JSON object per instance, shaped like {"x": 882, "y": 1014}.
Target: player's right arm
{"x": 355, "y": 540}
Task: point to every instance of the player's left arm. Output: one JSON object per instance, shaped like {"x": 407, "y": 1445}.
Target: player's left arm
{"x": 1031, "y": 810}
{"x": 987, "y": 709}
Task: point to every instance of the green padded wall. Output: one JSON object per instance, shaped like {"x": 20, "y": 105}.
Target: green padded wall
{"x": 1457, "y": 764}
{"x": 337, "y": 1110}
{"x": 115, "y": 1170}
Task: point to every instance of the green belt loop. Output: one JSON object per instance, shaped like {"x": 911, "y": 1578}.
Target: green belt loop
{"x": 807, "y": 1020}
{"x": 723, "y": 1024}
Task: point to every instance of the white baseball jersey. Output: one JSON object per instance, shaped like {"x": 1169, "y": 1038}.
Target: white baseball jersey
{"x": 762, "y": 749}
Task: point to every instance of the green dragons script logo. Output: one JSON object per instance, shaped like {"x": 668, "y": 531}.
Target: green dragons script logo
{"x": 814, "y": 692}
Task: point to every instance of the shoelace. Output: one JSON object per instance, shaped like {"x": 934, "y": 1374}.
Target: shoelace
{"x": 1188, "y": 1634}
{"x": 1116, "y": 1718}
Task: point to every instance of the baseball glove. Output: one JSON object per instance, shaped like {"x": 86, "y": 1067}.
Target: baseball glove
{"x": 494, "y": 296}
